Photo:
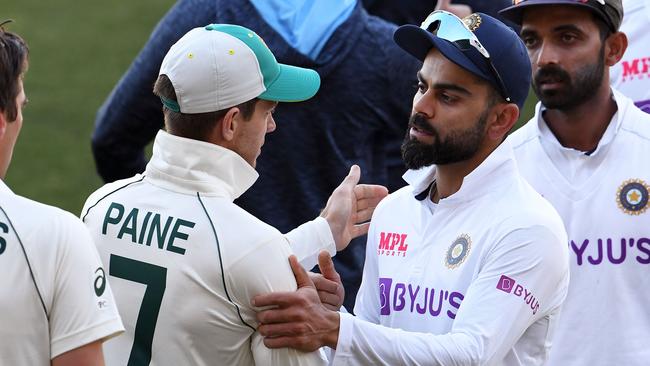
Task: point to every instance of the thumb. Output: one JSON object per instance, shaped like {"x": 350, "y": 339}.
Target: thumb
{"x": 327, "y": 266}
{"x": 353, "y": 176}
{"x": 302, "y": 278}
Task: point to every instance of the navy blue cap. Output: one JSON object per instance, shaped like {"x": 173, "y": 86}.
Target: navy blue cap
{"x": 610, "y": 11}
{"x": 507, "y": 53}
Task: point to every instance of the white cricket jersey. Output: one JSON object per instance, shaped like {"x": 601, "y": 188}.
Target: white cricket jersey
{"x": 605, "y": 319}
{"x": 631, "y": 75}
{"x": 185, "y": 261}
{"x": 54, "y": 294}
{"x": 476, "y": 279}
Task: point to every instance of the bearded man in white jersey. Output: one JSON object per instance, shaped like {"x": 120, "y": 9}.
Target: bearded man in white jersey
{"x": 467, "y": 264}
{"x": 586, "y": 150}
{"x": 183, "y": 259}
{"x": 56, "y": 307}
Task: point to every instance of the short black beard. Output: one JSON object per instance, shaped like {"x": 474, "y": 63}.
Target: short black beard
{"x": 578, "y": 90}
{"x": 458, "y": 146}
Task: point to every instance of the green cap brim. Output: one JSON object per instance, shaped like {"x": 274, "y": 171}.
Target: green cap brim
{"x": 293, "y": 84}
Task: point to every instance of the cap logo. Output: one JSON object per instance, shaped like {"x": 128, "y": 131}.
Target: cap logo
{"x": 472, "y": 21}
{"x": 632, "y": 196}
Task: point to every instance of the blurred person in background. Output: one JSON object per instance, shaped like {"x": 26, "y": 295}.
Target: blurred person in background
{"x": 56, "y": 306}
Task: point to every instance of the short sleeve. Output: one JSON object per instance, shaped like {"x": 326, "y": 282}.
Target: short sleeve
{"x": 83, "y": 309}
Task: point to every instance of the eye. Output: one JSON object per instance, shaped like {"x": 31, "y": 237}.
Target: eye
{"x": 422, "y": 88}
{"x": 447, "y": 98}
{"x": 568, "y": 37}
{"x": 529, "y": 42}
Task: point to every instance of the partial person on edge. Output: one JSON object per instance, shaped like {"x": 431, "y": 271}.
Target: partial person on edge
{"x": 586, "y": 151}
{"x": 56, "y": 307}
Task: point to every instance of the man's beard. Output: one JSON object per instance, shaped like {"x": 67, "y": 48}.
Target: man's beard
{"x": 457, "y": 146}
{"x": 576, "y": 91}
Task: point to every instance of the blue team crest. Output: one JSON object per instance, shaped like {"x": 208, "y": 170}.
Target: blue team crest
{"x": 458, "y": 251}
{"x": 632, "y": 196}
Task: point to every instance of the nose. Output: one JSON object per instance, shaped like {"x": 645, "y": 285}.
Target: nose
{"x": 270, "y": 124}
{"x": 424, "y": 104}
{"x": 545, "y": 55}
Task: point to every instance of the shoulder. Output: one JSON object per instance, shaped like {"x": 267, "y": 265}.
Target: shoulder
{"x": 524, "y": 135}
{"x": 635, "y": 121}
{"x": 107, "y": 190}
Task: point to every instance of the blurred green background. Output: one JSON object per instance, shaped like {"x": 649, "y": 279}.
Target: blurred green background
{"x": 78, "y": 51}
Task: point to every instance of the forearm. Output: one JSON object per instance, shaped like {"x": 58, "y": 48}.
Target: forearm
{"x": 365, "y": 343}
{"x": 309, "y": 239}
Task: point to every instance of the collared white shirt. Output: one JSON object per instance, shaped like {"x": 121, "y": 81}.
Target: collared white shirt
{"x": 476, "y": 279}
{"x": 54, "y": 294}
{"x": 185, "y": 261}
{"x": 605, "y": 320}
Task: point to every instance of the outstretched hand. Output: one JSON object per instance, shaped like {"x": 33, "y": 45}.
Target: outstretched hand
{"x": 350, "y": 207}
{"x": 297, "y": 319}
{"x": 460, "y": 10}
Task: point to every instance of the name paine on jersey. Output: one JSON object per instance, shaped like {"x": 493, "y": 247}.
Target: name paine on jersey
{"x": 610, "y": 250}
{"x": 147, "y": 228}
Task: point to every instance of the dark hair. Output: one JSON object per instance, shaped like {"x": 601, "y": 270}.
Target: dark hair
{"x": 13, "y": 63}
{"x": 197, "y": 126}
{"x": 603, "y": 28}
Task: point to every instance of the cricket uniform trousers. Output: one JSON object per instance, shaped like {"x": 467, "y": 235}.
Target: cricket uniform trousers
{"x": 603, "y": 201}
{"x": 54, "y": 294}
{"x": 631, "y": 75}
{"x": 477, "y": 279}
{"x": 185, "y": 261}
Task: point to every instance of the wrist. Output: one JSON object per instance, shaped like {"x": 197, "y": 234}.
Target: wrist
{"x": 332, "y": 335}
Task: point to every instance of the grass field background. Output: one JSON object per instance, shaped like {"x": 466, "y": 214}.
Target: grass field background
{"x": 78, "y": 51}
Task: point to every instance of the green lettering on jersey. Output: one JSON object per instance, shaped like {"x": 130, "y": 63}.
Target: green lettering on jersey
{"x": 176, "y": 234}
{"x": 143, "y": 231}
{"x": 3, "y": 242}
{"x": 109, "y": 219}
{"x": 129, "y": 225}
{"x": 160, "y": 235}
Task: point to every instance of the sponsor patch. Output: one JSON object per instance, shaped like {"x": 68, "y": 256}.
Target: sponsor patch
{"x": 632, "y": 196}
{"x": 458, "y": 251}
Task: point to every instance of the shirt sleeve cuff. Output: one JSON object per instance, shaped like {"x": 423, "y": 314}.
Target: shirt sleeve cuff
{"x": 344, "y": 343}
{"x": 309, "y": 239}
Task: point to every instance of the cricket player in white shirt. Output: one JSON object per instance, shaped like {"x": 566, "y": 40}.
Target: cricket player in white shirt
{"x": 467, "y": 265}
{"x": 183, "y": 259}
{"x": 56, "y": 307}
{"x": 586, "y": 150}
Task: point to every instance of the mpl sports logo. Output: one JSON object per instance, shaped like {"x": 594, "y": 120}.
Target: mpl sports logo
{"x": 392, "y": 244}
{"x": 510, "y": 286}
{"x": 637, "y": 68}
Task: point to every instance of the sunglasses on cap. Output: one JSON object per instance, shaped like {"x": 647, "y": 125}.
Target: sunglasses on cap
{"x": 449, "y": 27}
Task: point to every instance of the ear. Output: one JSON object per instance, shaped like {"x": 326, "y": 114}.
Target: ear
{"x": 504, "y": 116}
{"x": 615, "y": 46}
{"x": 3, "y": 124}
{"x": 229, "y": 124}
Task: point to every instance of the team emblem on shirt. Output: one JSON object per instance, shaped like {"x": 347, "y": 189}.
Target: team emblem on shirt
{"x": 632, "y": 196}
{"x": 458, "y": 251}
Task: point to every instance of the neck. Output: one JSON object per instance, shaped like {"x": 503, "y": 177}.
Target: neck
{"x": 449, "y": 177}
{"x": 583, "y": 126}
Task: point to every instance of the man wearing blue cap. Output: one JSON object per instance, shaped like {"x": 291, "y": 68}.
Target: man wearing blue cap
{"x": 467, "y": 264}
{"x": 183, "y": 258}
{"x": 586, "y": 150}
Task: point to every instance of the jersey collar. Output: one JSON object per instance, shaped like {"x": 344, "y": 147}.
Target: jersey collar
{"x": 189, "y": 166}
{"x": 493, "y": 173}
